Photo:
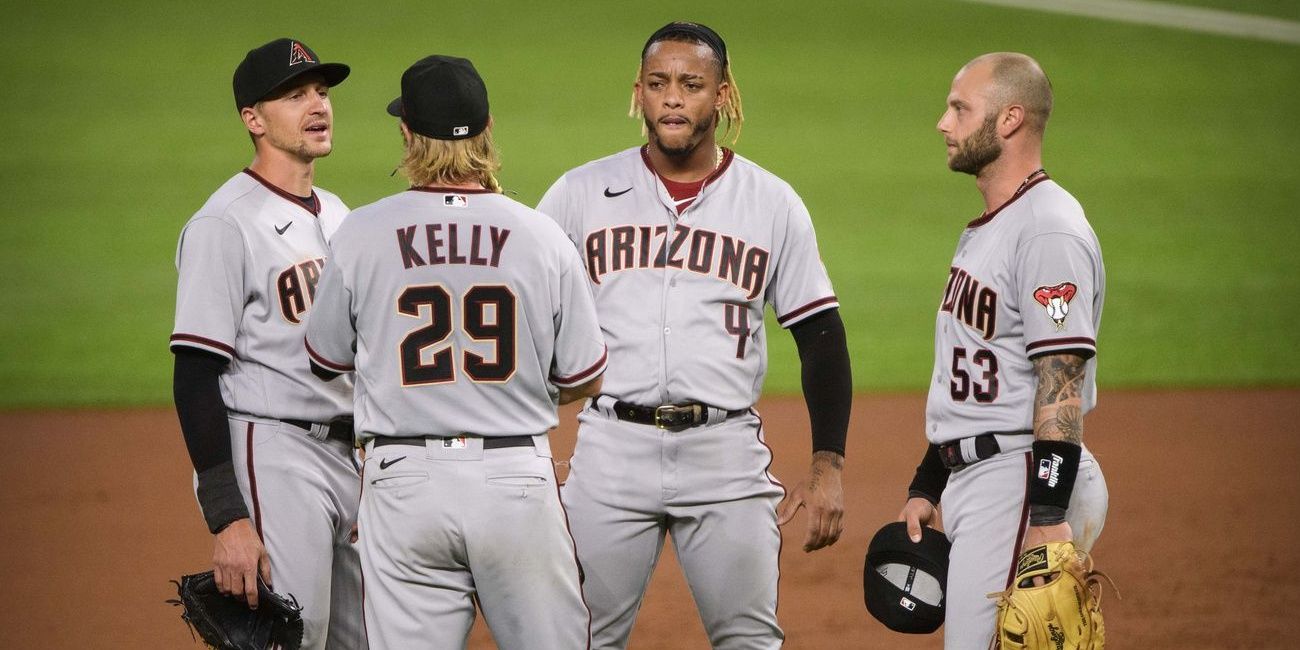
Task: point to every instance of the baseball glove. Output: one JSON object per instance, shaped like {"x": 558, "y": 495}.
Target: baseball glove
{"x": 226, "y": 623}
{"x": 1064, "y": 613}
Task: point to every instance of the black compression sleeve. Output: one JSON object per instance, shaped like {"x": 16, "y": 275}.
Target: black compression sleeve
{"x": 931, "y": 477}
{"x": 202, "y": 415}
{"x": 827, "y": 378}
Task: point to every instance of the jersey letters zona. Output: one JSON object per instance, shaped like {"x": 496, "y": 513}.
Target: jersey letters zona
{"x": 971, "y": 303}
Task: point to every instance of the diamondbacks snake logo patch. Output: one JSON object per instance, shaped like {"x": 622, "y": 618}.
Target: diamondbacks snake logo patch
{"x": 1056, "y": 300}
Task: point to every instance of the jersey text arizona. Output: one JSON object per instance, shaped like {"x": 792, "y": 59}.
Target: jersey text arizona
{"x": 702, "y": 251}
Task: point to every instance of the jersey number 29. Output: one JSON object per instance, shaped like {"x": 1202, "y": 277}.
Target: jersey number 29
{"x": 488, "y": 314}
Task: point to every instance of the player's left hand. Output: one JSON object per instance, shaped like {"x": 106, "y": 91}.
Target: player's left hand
{"x": 823, "y": 494}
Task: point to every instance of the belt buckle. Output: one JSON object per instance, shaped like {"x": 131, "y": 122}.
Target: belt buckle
{"x": 666, "y": 416}
{"x": 665, "y": 412}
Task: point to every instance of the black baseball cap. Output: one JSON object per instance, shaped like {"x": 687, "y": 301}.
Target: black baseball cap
{"x": 893, "y": 586}
{"x": 442, "y": 98}
{"x": 272, "y": 65}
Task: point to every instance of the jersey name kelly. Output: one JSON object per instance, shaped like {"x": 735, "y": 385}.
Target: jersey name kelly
{"x": 618, "y": 248}
{"x": 444, "y": 244}
{"x": 971, "y": 303}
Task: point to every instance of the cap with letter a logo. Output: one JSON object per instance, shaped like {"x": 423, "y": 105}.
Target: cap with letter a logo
{"x": 269, "y": 67}
{"x": 903, "y": 581}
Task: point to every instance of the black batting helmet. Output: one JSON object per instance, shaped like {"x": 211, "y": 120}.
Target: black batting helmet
{"x": 903, "y": 581}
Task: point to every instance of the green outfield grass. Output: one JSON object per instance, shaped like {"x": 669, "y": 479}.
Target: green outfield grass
{"x": 1182, "y": 148}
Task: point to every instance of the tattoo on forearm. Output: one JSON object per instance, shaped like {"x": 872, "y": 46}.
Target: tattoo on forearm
{"x": 835, "y": 460}
{"x": 1058, "y": 404}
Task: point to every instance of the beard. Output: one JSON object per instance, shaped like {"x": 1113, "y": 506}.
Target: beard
{"x": 685, "y": 147}
{"x": 295, "y": 143}
{"x": 978, "y": 150}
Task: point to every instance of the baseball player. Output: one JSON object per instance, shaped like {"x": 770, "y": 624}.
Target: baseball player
{"x": 276, "y": 476}
{"x": 467, "y": 317}
{"x": 1015, "y": 352}
{"x": 684, "y": 244}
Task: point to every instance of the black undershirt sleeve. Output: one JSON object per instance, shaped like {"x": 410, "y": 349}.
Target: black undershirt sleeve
{"x": 931, "y": 477}
{"x": 202, "y": 414}
{"x": 827, "y": 378}
{"x": 322, "y": 373}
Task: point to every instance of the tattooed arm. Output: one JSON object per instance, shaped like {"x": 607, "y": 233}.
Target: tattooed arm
{"x": 1058, "y": 404}
{"x": 1058, "y": 416}
{"x": 823, "y": 494}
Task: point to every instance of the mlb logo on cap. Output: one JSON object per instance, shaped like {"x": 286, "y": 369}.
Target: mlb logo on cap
{"x": 903, "y": 582}
{"x": 460, "y": 130}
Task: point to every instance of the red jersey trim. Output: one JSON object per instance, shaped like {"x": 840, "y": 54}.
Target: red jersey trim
{"x": 315, "y": 356}
{"x": 1071, "y": 340}
{"x": 1024, "y": 520}
{"x": 579, "y": 377}
{"x": 252, "y": 484}
{"x": 191, "y": 340}
{"x": 988, "y": 216}
{"x": 314, "y": 208}
{"x": 727, "y": 156}
{"x": 794, "y": 315}
{"x": 450, "y": 190}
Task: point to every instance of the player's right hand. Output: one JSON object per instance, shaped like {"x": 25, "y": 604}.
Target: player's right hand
{"x": 917, "y": 512}
{"x": 238, "y": 557}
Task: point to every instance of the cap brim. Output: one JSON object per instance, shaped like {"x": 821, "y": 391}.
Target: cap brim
{"x": 395, "y": 107}
{"x": 332, "y": 74}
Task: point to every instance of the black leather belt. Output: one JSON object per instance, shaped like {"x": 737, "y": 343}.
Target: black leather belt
{"x": 340, "y": 430}
{"x": 489, "y": 442}
{"x": 668, "y": 416}
{"x": 986, "y": 446}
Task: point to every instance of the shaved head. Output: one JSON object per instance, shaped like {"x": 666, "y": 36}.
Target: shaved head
{"x": 1017, "y": 79}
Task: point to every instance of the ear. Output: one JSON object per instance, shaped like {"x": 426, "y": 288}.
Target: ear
{"x": 252, "y": 120}
{"x": 724, "y": 95}
{"x": 406, "y": 133}
{"x": 1012, "y": 119}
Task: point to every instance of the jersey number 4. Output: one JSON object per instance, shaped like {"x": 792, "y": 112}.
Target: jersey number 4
{"x": 962, "y": 386}
{"x": 488, "y": 315}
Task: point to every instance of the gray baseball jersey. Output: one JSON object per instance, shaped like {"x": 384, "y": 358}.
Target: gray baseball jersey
{"x": 455, "y": 298}
{"x": 681, "y": 294}
{"x": 681, "y": 297}
{"x": 462, "y": 312}
{"x": 249, "y": 261}
{"x": 1026, "y": 279}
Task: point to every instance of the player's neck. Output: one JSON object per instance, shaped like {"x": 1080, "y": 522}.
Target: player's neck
{"x": 696, "y": 165}
{"x": 285, "y": 171}
{"x": 1001, "y": 179}
{"x": 466, "y": 185}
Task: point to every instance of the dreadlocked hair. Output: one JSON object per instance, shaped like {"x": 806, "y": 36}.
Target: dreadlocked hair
{"x": 731, "y": 110}
{"x": 428, "y": 161}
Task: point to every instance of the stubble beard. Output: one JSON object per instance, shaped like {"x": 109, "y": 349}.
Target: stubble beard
{"x": 686, "y": 148}
{"x": 978, "y": 150}
{"x": 300, "y": 147}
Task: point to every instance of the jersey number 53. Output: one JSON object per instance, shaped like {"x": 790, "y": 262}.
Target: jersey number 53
{"x": 962, "y": 386}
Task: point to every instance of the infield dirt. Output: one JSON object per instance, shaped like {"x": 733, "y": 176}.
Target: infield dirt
{"x": 98, "y": 515}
